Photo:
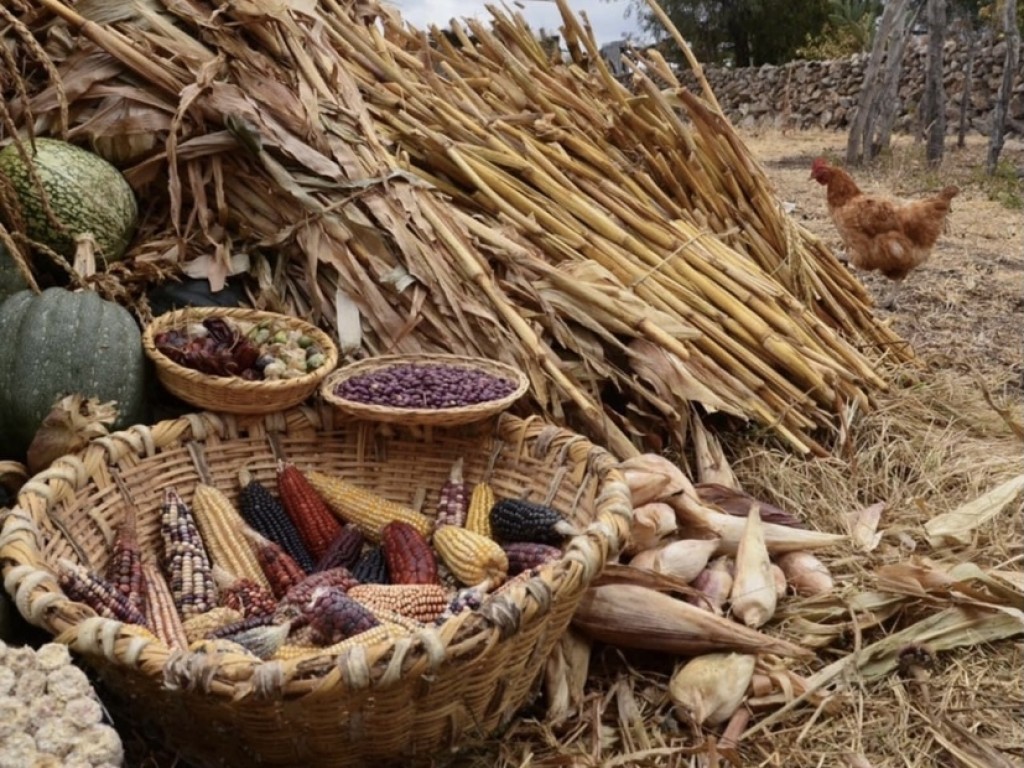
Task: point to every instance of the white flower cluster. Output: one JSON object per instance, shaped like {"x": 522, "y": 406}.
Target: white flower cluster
{"x": 49, "y": 714}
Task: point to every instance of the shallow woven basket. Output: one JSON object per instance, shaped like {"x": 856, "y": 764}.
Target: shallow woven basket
{"x": 396, "y": 702}
{"x": 438, "y": 417}
{"x": 232, "y": 394}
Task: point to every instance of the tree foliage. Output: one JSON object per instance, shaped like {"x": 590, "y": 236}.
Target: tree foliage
{"x": 741, "y": 32}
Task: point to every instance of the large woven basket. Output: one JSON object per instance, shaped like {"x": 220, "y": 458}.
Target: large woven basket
{"x": 233, "y": 394}
{"x": 396, "y": 702}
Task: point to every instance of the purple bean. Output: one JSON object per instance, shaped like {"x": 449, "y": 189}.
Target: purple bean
{"x": 434, "y": 385}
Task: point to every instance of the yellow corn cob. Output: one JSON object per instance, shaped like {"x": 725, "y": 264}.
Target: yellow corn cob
{"x": 478, "y": 519}
{"x": 472, "y": 558}
{"x": 161, "y": 612}
{"x": 365, "y": 508}
{"x": 384, "y": 632}
{"x": 423, "y": 602}
{"x": 199, "y": 626}
{"x": 221, "y": 525}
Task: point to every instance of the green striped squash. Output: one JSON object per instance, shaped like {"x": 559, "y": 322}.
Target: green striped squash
{"x": 86, "y": 194}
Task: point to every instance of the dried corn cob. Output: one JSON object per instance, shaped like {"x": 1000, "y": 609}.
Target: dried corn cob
{"x": 221, "y": 528}
{"x": 472, "y": 558}
{"x": 520, "y": 520}
{"x": 161, "y": 613}
{"x": 453, "y": 502}
{"x": 344, "y": 549}
{"x": 409, "y": 556}
{"x": 124, "y": 569}
{"x": 302, "y": 593}
{"x": 384, "y": 632}
{"x": 244, "y": 595}
{"x": 365, "y": 508}
{"x": 527, "y": 555}
{"x": 468, "y": 599}
{"x": 235, "y": 627}
{"x": 200, "y": 626}
{"x": 314, "y": 520}
{"x": 186, "y": 560}
{"x": 281, "y": 571}
{"x": 372, "y": 567}
{"x": 262, "y": 641}
{"x": 478, "y": 517}
{"x": 99, "y": 594}
{"x": 336, "y": 616}
{"x": 267, "y": 516}
{"x": 423, "y": 602}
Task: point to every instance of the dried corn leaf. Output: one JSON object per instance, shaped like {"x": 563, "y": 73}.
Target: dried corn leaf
{"x": 958, "y": 526}
{"x": 863, "y": 526}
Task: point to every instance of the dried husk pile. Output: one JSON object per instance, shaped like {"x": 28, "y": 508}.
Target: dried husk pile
{"x": 622, "y": 247}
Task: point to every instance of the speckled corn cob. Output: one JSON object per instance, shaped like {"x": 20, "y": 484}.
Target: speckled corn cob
{"x": 235, "y": 627}
{"x": 99, "y": 594}
{"x": 124, "y": 569}
{"x": 383, "y": 632}
{"x": 302, "y": 593}
{"x": 422, "y": 602}
{"x": 526, "y": 555}
{"x": 186, "y": 560}
{"x": 200, "y": 625}
{"x": 453, "y": 500}
{"x": 244, "y": 595}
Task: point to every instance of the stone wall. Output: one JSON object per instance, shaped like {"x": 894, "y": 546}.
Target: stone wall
{"x": 823, "y": 94}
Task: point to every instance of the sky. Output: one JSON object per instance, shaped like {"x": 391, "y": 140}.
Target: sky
{"x": 607, "y": 17}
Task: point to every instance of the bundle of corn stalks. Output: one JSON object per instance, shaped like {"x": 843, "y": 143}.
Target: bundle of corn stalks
{"x": 485, "y": 197}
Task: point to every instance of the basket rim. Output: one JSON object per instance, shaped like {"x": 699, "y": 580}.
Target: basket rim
{"x": 462, "y": 414}
{"x": 235, "y": 384}
{"x": 32, "y": 583}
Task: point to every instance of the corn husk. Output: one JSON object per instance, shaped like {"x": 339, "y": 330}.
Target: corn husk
{"x": 779, "y": 580}
{"x": 738, "y": 503}
{"x": 753, "y": 597}
{"x": 958, "y": 526}
{"x": 709, "y": 688}
{"x": 651, "y": 524}
{"x": 805, "y": 573}
{"x": 684, "y": 558}
{"x": 863, "y": 526}
{"x": 729, "y": 529}
{"x": 651, "y": 477}
{"x": 713, "y": 584}
{"x": 565, "y": 676}
{"x": 712, "y": 466}
{"x": 630, "y": 616}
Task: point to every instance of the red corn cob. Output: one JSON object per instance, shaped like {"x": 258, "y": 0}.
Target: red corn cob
{"x": 409, "y": 556}
{"x": 243, "y": 595}
{"x": 317, "y": 525}
{"x": 281, "y": 570}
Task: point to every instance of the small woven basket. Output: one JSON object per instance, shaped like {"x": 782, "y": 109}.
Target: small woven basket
{"x": 438, "y": 417}
{"x": 233, "y": 394}
{"x": 400, "y": 702}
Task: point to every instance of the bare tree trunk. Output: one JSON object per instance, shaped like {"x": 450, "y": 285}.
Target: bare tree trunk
{"x": 880, "y": 134}
{"x": 965, "y": 92}
{"x": 999, "y": 113}
{"x": 934, "y": 93}
{"x": 858, "y": 141}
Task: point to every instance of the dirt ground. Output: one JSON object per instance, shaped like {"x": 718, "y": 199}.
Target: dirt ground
{"x": 963, "y": 308}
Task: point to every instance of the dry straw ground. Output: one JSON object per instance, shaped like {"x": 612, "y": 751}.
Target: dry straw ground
{"x": 937, "y": 441}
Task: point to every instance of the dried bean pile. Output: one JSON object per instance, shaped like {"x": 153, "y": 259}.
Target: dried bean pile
{"x": 434, "y": 385}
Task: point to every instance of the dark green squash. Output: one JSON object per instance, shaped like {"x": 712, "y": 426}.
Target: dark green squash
{"x": 11, "y": 279}
{"x": 60, "y": 342}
